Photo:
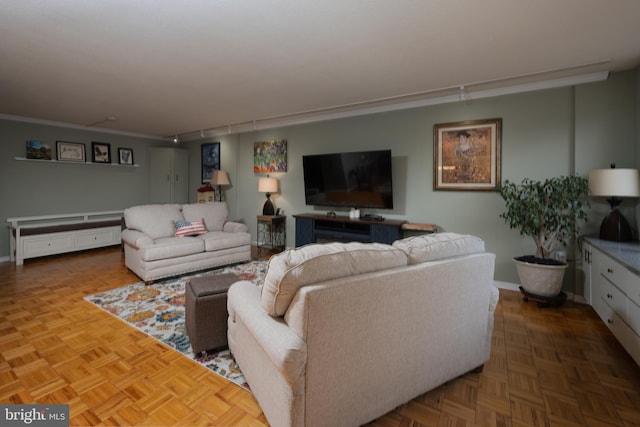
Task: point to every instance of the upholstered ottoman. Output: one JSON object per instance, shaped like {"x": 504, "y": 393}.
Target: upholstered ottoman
{"x": 205, "y": 305}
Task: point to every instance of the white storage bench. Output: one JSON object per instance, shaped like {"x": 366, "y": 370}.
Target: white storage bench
{"x": 35, "y": 236}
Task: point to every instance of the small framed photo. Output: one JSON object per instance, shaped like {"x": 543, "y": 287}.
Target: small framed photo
{"x": 125, "y": 156}
{"x": 100, "y": 152}
{"x": 467, "y": 155}
{"x": 70, "y": 151}
{"x": 38, "y": 150}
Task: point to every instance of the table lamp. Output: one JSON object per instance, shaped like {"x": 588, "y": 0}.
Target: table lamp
{"x": 615, "y": 184}
{"x": 219, "y": 178}
{"x": 268, "y": 185}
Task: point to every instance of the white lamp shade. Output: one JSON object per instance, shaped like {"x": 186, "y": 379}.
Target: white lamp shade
{"x": 614, "y": 182}
{"x": 220, "y": 178}
{"x": 268, "y": 185}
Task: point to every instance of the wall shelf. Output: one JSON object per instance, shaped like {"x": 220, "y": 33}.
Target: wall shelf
{"x": 24, "y": 159}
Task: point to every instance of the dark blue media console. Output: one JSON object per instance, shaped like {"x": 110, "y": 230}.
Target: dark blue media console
{"x": 316, "y": 228}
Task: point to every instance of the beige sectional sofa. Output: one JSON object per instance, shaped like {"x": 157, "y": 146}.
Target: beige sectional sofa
{"x": 154, "y": 251}
{"x": 339, "y": 334}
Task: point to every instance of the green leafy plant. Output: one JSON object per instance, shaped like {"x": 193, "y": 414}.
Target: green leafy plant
{"x": 548, "y": 211}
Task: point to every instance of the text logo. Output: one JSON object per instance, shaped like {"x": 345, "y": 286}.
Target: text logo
{"x": 34, "y": 415}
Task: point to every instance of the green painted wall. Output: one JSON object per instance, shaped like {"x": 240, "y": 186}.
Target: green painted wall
{"x": 546, "y": 133}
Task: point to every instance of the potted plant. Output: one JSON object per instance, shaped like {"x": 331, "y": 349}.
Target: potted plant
{"x": 549, "y": 211}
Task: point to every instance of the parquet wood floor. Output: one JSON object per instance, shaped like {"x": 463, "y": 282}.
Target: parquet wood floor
{"x": 548, "y": 367}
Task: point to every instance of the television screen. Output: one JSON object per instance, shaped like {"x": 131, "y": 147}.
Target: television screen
{"x": 357, "y": 179}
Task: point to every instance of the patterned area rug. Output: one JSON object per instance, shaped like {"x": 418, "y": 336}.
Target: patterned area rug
{"x": 158, "y": 311}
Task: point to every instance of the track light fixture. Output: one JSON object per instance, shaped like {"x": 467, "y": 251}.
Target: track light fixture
{"x": 462, "y": 94}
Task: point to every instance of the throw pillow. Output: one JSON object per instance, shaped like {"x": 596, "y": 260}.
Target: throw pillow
{"x": 215, "y": 214}
{"x": 432, "y": 247}
{"x": 193, "y": 228}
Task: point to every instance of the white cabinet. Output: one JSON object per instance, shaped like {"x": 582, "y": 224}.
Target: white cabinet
{"x": 615, "y": 295}
{"x": 587, "y": 262}
{"x": 168, "y": 175}
{"x": 67, "y": 241}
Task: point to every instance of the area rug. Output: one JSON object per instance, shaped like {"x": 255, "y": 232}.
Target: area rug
{"x": 158, "y": 311}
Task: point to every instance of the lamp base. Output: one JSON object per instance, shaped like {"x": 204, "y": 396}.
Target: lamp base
{"x": 267, "y": 209}
{"x": 615, "y": 227}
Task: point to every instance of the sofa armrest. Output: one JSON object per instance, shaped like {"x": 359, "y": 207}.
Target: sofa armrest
{"x": 235, "y": 227}
{"x": 286, "y": 350}
{"x": 135, "y": 238}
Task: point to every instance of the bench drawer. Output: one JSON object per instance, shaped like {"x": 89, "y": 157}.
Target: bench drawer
{"x": 98, "y": 237}
{"x": 48, "y": 244}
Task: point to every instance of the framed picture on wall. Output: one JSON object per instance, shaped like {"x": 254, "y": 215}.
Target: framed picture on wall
{"x": 210, "y": 156}
{"x": 125, "y": 156}
{"x": 70, "y": 151}
{"x": 38, "y": 150}
{"x": 100, "y": 152}
{"x": 270, "y": 156}
{"x": 467, "y": 155}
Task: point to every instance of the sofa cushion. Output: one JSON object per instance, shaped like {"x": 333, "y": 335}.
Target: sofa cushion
{"x": 172, "y": 247}
{"x": 216, "y": 240}
{"x": 186, "y": 228}
{"x": 294, "y": 268}
{"x": 153, "y": 220}
{"x": 215, "y": 214}
{"x": 431, "y": 247}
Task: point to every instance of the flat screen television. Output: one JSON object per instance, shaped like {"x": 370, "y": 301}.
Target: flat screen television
{"x": 359, "y": 179}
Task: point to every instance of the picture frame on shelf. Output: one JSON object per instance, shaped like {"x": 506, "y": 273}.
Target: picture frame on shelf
{"x": 70, "y": 151}
{"x": 125, "y": 156}
{"x": 467, "y": 155}
{"x": 100, "y": 152}
{"x": 210, "y": 160}
{"x": 38, "y": 150}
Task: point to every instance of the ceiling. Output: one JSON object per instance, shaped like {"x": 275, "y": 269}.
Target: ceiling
{"x": 194, "y": 68}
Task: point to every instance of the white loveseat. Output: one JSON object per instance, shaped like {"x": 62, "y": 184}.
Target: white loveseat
{"x": 153, "y": 251}
{"x": 339, "y": 334}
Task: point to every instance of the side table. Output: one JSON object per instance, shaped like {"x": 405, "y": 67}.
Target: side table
{"x": 272, "y": 232}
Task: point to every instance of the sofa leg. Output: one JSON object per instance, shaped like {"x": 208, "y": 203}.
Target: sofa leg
{"x": 149, "y": 282}
{"x": 477, "y": 370}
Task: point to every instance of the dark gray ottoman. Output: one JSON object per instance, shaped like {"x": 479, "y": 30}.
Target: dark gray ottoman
{"x": 205, "y": 304}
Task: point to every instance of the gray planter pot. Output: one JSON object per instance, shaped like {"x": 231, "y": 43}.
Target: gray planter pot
{"x": 543, "y": 280}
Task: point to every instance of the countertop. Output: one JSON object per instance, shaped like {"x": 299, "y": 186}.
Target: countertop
{"x": 626, "y": 253}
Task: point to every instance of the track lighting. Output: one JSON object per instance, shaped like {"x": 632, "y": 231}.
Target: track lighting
{"x": 175, "y": 139}
{"x": 105, "y": 120}
{"x": 462, "y": 94}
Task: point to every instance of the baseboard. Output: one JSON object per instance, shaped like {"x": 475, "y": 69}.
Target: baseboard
{"x": 5, "y": 259}
{"x": 507, "y": 285}
{"x": 516, "y": 287}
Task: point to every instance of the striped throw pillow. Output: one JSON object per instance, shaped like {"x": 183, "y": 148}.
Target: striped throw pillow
{"x": 193, "y": 228}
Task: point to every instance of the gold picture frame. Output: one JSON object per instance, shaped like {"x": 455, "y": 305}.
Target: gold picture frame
{"x": 467, "y": 155}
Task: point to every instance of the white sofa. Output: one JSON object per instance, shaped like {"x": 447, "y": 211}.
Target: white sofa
{"x": 340, "y": 334}
{"x": 153, "y": 251}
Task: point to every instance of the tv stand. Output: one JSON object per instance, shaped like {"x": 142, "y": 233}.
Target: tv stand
{"x": 315, "y": 228}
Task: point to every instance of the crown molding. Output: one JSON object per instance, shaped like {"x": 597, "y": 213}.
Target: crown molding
{"x": 444, "y": 96}
{"x": 79, "y": 127}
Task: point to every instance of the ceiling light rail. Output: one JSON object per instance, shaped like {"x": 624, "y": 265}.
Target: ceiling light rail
{"x": 105, "y": 120}
{"x": 407, "y": 101}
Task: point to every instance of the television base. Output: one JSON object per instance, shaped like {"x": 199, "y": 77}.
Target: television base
{"x": 314, "y": 228}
